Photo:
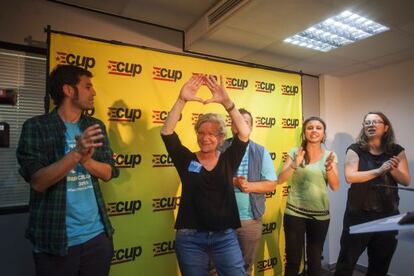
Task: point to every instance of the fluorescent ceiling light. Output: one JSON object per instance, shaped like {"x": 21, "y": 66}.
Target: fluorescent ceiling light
{"x": 337, "y": 31}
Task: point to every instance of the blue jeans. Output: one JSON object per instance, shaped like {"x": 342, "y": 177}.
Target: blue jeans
{"x": 193, "y": 250}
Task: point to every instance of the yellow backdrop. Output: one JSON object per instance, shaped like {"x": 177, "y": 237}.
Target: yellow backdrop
{"x": 136, "y": 88}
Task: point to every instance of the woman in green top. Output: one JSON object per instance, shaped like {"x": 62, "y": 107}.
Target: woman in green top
{"x": 309, "y": 169}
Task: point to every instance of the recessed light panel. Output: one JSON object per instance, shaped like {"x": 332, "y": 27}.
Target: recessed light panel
{"x": 337, "y": 31}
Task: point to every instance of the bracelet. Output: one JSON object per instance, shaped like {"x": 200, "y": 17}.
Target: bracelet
{"x": 232, "y": 106}
{"x": 293, "y": 167}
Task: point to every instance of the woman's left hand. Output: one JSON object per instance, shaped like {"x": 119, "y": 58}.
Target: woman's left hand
{"x": 329, "y": 162}
{"x": 218, "y": 91}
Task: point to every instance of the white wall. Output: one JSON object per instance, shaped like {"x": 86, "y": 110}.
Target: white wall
{"x": 23, "y": 22}
{"x": 344, "y": 101}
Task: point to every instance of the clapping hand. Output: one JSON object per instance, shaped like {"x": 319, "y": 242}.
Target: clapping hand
{"x": 390, "y": 164}
{"x": 90, "y": 139}
{"x": 329, "y": 161}
{"x": 299, "y": 157}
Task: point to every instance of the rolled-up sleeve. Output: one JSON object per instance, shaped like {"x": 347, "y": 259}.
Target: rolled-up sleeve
{"x": 31, "y": 154}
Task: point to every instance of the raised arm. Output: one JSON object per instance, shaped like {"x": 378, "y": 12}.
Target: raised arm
{"x": 221, "y": 96}
{"x": 187, "y": 93}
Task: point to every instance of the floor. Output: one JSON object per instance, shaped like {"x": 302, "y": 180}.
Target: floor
{"x": 330, "y": 273}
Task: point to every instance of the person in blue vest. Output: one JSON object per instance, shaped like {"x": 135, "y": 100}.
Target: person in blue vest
{"x": 255, "y": 177}
{"x": 62, "y": 155}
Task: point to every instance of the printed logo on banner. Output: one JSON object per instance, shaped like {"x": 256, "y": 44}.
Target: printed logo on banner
{"x": 121, "y": 208}
{"x": 124, "y": 68}
{"x": 267, "y": 122}
{"x": 161, "y": 161}
{"x": 89, "y": 112}
{"x": 284, "y": 156}
{"x": 266, "y": 264}
{"x": 289, "y": 90}
{"x": 290, "y": 123}
{"x": 285, "y": 191}
{"x": 265, "y": 87}
{"x": 268, "y": 228}
{"x": 238, "y": 84}
{"x": 128, "y": 254}
{"x": 165, "y": 203}
{"x": 159, "y": 116}
{"x": 205, "y": 74}
{"x": 165, "y": 74}
{"x": 122, "y": 114}
{"x": 163, "y": 248}
{"x": 227, "y": 121}
{"x": 127, "y": 161}
{"x": 74, "y": 59}
{"x": 194, "y": 117}
{"x": 270, "y": 194}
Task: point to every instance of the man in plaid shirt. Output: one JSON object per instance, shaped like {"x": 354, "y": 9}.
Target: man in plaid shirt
{"x": 62, "y": 155}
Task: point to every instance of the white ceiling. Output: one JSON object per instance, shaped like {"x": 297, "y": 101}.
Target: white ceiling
{"x": 255, "y": 32}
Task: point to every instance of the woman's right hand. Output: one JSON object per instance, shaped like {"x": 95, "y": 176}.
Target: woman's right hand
{"x": 389, "y": 165}
{"x": 189, "y": 90}
{"x": 299, "y": 157}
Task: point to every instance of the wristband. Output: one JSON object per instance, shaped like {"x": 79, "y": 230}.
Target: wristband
{"x": 232, "y": 106}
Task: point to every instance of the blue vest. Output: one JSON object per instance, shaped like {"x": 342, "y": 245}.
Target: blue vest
{"x": 257, "y": 200}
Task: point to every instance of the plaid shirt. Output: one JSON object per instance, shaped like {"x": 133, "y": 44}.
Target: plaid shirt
{"x": 42, "y": 143}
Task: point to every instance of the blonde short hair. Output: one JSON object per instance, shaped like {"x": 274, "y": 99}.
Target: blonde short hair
{"x": 211, "y": 118}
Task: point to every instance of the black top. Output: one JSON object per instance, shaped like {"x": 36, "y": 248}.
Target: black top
{"x": 207, "y": 200}
{"x": 367, "y": 196}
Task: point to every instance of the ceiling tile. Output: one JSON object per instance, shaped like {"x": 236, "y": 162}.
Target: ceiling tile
{"x": 373, "y": 47}
{"x": 270, "y": 59}
{"x": 228, "y": 35}
{"x": 219, "y": 49}
{"x": 348, "y": 70}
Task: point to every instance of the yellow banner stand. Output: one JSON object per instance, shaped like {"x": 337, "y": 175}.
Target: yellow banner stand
{"x": 136, "y": 88}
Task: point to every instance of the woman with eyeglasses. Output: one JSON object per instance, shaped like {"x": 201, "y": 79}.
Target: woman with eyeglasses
{"x": 208, "y": 212}
{"x": 310, "y": 168}
{"x": 374, "y": 166}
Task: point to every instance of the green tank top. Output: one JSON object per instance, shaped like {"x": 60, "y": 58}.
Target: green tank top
{"x": 308, "y": 195}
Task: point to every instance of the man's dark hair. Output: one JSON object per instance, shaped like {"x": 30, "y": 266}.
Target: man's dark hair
{"x": 61, "y": 75}
{"x": 244, "y": 111}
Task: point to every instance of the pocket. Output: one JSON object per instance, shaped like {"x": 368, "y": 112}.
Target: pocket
{"x": 228, "y": 231}
{"x": 186, "y": 232}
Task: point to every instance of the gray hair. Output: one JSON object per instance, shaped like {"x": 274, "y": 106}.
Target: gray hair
{"x": 211, "y": 118}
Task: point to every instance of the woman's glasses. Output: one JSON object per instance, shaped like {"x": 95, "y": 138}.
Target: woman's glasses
{"x": 372, "y": 122}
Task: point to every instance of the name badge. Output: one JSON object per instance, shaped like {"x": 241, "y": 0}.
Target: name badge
{"x": 194, "y": 167}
